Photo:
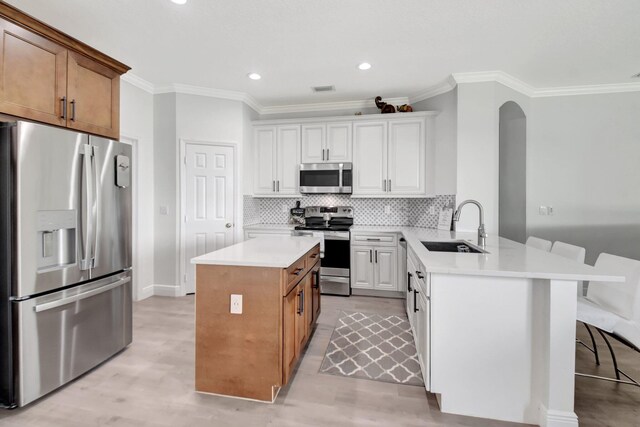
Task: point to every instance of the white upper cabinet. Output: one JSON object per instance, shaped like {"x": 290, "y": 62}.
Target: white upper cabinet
{"x": 390, "y": 158}
{"x": 393, "y": 155}
{"x": 338, "y": 147}
{"x": 276, "y": 160}
{"x": 406, "y": 157}
{"x": 369, "y": 158}
{"x": 288, "y": 160}
{"x": 326, "y": 142}
{"x": 264, "y": 167}
{"x": 314, "y": 143}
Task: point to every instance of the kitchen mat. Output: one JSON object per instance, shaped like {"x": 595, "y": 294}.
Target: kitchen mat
{"x": 375, "y": 347}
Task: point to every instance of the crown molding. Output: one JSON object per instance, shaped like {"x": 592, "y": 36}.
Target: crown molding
{"x": 587, "y": 90}
{"x": 495, "y": 76}
{"x": 445, "y": 86}
{"x": 329, "y": 106}
{"x": 139, "y": 82}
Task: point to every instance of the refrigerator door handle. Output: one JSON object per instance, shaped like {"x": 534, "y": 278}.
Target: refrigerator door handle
{"x": 64, "y": 301}
{"x": 95, "y": 206}
{"x": 87, "y": 209}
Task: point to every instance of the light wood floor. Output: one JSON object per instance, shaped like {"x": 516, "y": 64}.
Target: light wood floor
{"x": 151, "y": 384}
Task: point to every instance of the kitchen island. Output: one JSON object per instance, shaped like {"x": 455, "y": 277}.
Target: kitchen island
{"x": 256, "y": 306}
{"x": 495, "y": 331}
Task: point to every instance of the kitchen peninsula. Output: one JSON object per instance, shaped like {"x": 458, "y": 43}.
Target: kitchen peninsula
{"x": 257, "y": 303}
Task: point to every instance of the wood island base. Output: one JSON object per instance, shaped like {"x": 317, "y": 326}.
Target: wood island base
{"x": 252, "y": 354}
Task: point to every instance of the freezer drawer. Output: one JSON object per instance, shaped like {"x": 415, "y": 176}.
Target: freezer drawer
{"x": 65, "y": 334}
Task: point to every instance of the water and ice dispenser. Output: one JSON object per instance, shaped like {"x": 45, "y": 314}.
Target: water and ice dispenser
{"x": 57, "y": 239}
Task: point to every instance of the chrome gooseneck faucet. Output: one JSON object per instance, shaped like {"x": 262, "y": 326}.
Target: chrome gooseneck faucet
{"x": 482, "y": 235}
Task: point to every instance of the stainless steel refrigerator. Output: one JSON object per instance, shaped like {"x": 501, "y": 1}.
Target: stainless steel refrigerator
{"x": 65, "y": 256}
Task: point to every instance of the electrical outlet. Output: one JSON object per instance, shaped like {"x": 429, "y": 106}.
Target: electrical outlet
{"x": 387, "y": 209}
{"x": 543, "y": 210}
{"x": 432, "y": 210}
{"x": 236, "y": 304}
{"x": 164, "y": 210}
{"x": 285, "y": 209}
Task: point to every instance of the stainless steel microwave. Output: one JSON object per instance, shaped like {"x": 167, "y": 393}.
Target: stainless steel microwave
{"x": 324, "y": 178}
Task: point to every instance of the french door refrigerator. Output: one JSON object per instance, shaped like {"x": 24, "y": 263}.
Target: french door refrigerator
{"x": 65, "y": 256}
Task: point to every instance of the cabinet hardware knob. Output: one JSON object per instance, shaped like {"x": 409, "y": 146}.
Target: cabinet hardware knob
{"x": 228, "y": 225}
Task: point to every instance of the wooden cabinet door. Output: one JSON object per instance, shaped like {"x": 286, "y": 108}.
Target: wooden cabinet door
{"x": 264, "y": 161}
{"x": 289, "y": 323}
{"x": 369, "y": 158}
{"x": 313, "y": 143}
{"x": 339, "y": 142}
{"x": 301, "y": 319}
{"x": 308, "y": 303}
{"x": 315, "y": 284}
{"x": 288, "y": 160}
{"x": 94, "y": 97}
{"x": 407, "y": 157}
{"x": 33, "y": 75}
{"x": 362, "y": 267}
{"x": 386, "y": 269}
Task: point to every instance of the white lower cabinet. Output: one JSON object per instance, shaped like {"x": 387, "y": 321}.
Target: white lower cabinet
{"x": 374, "y": 262}
{"x": 419, "y": 313}
{"x": 385, "y": 269}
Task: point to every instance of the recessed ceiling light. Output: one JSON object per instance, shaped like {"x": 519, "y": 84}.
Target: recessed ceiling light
{"x": 364, "y": 66}
{"x": 254, "y": 76}
{"x": 179, "y": 1}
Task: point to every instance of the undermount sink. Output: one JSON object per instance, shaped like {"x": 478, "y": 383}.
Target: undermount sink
{"x": 459, "y": 246}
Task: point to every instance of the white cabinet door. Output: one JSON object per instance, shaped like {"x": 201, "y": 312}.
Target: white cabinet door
{"x": 406, "y": 157}
{"x": 338, "y": 145}
{"x": 422, "y": 337}
{"x": 369, "y": 158}
{"x": 313, "y": 143}
{"x": 362, "y": 276}
{"x": 264, "y": 165}
{"x": 386, "y": 269}
{"x": 288, "y": 160}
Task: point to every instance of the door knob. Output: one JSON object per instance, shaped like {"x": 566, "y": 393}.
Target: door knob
{"x": 228, "y": 225}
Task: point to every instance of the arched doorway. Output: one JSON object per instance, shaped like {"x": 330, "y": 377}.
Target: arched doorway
{"x": 512, "y": 214}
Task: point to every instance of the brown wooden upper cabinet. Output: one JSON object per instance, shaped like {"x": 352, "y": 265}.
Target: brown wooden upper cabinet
{"x": 49, "y": 77}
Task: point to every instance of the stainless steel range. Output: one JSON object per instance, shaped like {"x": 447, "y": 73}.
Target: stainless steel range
{"x": 332, "y": 224}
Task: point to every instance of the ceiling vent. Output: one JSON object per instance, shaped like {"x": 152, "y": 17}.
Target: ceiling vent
{"x": 636, "y": 76}
{"x": 324, "y": 88}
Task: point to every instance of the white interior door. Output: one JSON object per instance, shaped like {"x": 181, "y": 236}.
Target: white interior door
{"x": 209, "y": 203}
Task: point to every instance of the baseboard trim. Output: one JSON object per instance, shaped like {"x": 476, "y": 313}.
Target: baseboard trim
{"x": 145, "y": 293}
{"x": 167, "y": 291}
{"x": 554, "y": 418}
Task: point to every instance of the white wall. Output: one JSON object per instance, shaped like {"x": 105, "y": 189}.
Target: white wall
{"x": 445, "y": 137}
{"x": 183, "y": 117}
{"x": 478, "y": 148}
{"x": 136, "y": 125}
{"x": 165, "y": 184}
{"x": 584, "y": 157}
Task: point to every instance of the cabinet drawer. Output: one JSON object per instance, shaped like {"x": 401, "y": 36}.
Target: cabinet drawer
{"x": 296, "y": 271}
{"x": 388, "y": 239}
{"x": 313, "y": 256}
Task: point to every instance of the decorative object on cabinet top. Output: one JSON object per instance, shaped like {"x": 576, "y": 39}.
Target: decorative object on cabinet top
{"x": 24, "y": 20}
{"x": 384, "y": 107}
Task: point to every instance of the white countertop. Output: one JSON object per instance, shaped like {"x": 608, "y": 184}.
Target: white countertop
{"x": 276, "y": 252}
{"x": 505, "y": 258}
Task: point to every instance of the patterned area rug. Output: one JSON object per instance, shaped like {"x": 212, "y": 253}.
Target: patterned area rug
{"x": 374, "y": 347}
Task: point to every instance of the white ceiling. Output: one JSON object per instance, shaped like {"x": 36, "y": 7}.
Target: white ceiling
{"x": 412, "y": 44}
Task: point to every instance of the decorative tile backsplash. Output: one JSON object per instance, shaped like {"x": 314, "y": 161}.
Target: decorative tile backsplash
{"x": 414, "y": 212}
